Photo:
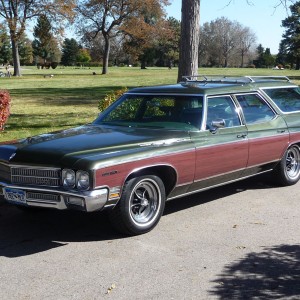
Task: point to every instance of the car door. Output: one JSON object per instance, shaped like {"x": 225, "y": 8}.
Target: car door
{"x": 267, "y": 132}
{"x": 222, "y": 145}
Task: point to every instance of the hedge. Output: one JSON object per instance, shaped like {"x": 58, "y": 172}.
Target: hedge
{"x": 4, "y": 107}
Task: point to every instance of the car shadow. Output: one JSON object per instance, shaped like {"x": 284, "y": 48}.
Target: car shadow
{"x": 273, "y": 273}
{"x": 25, "y": 233}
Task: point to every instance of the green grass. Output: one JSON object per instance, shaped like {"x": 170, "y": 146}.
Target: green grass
{"x": 70, "y": 97}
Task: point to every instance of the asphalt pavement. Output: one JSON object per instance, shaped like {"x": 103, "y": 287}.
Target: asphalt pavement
{"x": 240, "y": 241}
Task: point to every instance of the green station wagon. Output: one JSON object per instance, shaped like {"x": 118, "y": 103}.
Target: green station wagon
{"x": 159, "y": 143}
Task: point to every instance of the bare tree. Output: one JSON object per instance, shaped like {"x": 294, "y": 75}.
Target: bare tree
{"x": 190, "y": 17}
{"x": 245, "y": 41}
{"x": 222, "y": 40}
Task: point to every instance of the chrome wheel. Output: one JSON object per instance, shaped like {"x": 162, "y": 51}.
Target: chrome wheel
{"x": 292, "y": 166}
{"x": 145, "y": 201}
{"x": 141, "y": 205}
{"x": 287, "y": 171}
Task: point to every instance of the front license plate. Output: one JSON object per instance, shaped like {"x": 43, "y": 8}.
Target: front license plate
{"x": 14, "y": 195}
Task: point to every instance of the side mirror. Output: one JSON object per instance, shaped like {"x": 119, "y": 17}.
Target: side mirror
{"x": 217, "y": 124}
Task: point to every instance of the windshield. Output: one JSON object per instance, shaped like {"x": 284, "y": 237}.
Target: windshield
{"x": 170, "y": 112}
{"x": 287, "y": 99}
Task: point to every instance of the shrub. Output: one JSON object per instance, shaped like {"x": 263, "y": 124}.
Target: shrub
{"x": 4, "y": 108}
{"x": 93, "y": 64}
{"x": 111, "y": 98}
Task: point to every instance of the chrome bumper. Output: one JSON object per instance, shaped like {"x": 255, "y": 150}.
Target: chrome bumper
{"x": 56, "y": 198}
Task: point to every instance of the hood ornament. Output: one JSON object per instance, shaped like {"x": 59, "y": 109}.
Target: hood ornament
{"x": 12, "y": 156}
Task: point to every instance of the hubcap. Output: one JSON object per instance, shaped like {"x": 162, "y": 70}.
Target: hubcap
{"x": 145, "y": 201}
{"x": 292, "y": 163}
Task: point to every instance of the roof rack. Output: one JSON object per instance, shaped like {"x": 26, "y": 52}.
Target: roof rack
{"x": 232, "y": 79}
{"x": 220, "y": 79}
{"x": 268, "y": 78}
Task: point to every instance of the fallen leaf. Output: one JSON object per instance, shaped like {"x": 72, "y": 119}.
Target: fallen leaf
{"x": 113, "y": 286}
{"x": 240, "y": 247}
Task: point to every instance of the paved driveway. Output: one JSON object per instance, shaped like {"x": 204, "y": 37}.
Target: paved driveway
{"x": 241, "y": 241}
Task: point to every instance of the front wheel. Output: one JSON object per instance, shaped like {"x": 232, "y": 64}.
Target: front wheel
{"x": 288, "y": 171}
{"x": 141, "y": 205}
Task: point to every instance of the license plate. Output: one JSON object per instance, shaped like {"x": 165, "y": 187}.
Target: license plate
{"x": 14, "y": 195}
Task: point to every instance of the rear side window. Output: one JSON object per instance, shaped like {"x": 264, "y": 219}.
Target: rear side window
{"x": 287, "y": 99}
{"x": 255, "y": 109}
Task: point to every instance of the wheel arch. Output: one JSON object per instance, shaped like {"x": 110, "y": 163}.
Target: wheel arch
{"x": 289, "y": 145}
{"x": 287, "y": 171}
{"x": 166, "y": 173}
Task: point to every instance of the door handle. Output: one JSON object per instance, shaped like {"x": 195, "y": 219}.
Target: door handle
{"x": 241, "y": 136}
{"x": 281, "y": 130}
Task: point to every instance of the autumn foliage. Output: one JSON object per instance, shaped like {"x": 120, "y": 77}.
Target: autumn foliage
{"x": 4, "y": 107}
{"x": 110, "y": 98}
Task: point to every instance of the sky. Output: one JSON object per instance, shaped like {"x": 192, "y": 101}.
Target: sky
{"x": 262, "y": 17}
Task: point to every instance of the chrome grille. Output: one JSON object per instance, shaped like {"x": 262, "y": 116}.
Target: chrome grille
{"x": 35, "y": 176}
{"x": 41, "y": 197}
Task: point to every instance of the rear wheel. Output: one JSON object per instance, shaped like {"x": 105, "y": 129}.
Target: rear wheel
{"x": 141, "y": 205}
{"x": 288, "y": 171}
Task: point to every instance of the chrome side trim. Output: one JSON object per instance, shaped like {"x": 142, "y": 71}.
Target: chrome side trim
{"x": 242, "y": 169}
{"x": 217, "y": 185}
{"x": 184, "y": 184}
{"x": 192, "y": 149}
{"x": 214, "y": 176}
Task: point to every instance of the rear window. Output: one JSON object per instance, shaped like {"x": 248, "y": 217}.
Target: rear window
{"x": 287, "y": 99}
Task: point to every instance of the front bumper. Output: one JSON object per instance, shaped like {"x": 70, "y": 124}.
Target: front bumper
{"x": 88, "y": 201}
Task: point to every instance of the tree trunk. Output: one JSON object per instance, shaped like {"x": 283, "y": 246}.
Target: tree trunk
{"x": 189, "y": 43}
{"x": 226, "y": 62}
{"x": 297, "y": 64}
{"x": 143, "y": 64}
{"x": 242, "y": 63}
{"x": 16, "y": 58}
{"x": 106, "y": 53}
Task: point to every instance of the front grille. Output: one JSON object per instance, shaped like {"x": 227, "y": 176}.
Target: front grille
{"x": 41, "y": 197}
{"x": 35, "y": 176}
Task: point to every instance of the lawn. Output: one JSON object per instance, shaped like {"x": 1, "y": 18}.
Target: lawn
{"x": 70, "y": 98}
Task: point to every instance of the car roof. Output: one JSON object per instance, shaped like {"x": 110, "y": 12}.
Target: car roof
{"x": 216, "y": 85}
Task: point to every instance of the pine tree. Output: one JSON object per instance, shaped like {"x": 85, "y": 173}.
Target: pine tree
{"x": 291, "y": 38}
{"x": 70, "y": 52}
{"x": 45, "y": 45}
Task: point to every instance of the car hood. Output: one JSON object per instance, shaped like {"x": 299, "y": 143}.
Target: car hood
{"x": 64, "y": 148}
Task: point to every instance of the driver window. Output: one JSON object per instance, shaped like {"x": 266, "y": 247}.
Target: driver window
{"x": 220, "y": 109}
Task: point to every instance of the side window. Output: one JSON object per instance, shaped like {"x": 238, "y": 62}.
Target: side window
{"x": 255, "y": 109}
{"x": 222, "y": 108}
{"x": 287, "y": 99}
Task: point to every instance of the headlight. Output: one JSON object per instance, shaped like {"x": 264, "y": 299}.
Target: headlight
{"x": 82, "y": 180}
{"x": 68, "y": 178}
